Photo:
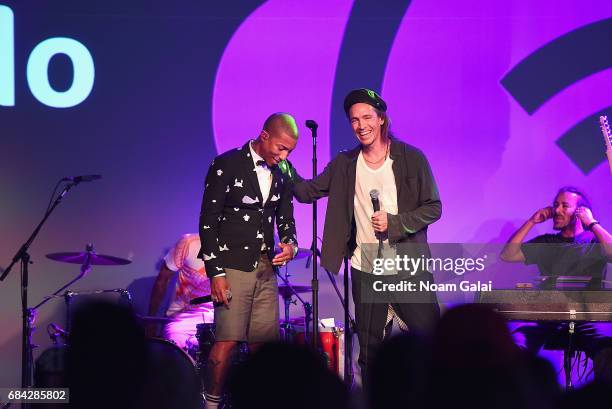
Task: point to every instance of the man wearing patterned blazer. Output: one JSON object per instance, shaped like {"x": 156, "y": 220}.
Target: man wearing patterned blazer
{"x": 247, "y": 191}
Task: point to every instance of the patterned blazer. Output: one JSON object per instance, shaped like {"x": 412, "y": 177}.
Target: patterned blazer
{"x": 234, "y": 221}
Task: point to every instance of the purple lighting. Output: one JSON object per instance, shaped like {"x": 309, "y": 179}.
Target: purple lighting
{"x": 443, "y": 87}
{"x": 282, "y": 58}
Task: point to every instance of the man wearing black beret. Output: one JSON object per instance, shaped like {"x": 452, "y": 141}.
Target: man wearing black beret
{"x": 409, "y": 202}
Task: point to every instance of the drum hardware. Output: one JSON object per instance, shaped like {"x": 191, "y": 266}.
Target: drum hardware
{"x": 69, "y": 295}
{"x": 287, "y": 291}
{"x": 30, "y": 318}
{"x": 87, "y": 260}
{"x": 93, "y": 258}
{"x": 23, "y": 257}
{"x": 349, "y": 322}
{"x": 55, "y": 332}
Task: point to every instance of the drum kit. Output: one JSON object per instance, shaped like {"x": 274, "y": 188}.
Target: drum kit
{"x": 292, "y": 330}
{"x": 86, "y": 259}
{"x": 193, "y": 358}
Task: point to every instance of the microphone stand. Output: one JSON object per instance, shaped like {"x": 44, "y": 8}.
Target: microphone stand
{"x": 27, "y": 319}
{"x": 349, "y": 323}
{"x": 312, "y": 125}
{"x": 348, "y": 329}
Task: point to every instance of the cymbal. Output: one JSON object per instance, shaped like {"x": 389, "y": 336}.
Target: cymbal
{"x": 94, "y": 258}
{"x": 284, "y": 291}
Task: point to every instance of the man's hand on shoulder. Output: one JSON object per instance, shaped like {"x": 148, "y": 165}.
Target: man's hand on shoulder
{"x": 287, "y": 169}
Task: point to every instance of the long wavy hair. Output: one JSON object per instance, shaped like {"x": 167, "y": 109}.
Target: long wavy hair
{"x": 385, "y": 129}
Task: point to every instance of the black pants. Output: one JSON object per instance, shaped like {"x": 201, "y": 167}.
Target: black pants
{"x": 421, "y": 317}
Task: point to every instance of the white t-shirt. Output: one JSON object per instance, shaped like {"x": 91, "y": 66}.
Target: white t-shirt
{"x": 192, "y": 281}
{"x": 383, "y": 180}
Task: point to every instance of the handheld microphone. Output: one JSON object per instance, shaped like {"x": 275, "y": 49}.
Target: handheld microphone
{"x": 209, "y": 298}
{"x": 311, "y": 124}
{"x": 374, "y": 193}
{"x": 375, "y": 202}
{"x": 83, "y": 178}
{"x": 201, "y": 300}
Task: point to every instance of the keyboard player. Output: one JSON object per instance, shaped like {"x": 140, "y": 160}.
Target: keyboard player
{"x": 580, "y": 247}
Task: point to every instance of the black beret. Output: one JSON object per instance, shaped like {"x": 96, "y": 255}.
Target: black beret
{"x": 367, "y": 96}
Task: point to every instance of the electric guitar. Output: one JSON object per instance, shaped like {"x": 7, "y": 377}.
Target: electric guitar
{"x": 605, "y": 130}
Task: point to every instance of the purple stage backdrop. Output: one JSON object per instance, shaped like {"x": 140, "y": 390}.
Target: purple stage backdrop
{"x": 503, "y": 98}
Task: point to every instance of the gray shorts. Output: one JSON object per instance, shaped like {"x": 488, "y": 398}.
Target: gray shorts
{"x": 252, "y": 315}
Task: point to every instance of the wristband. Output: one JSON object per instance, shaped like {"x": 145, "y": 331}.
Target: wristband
{"x": 590, "y": 226}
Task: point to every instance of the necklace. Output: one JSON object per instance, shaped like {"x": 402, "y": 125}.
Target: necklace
{"x": 379, "y": 160}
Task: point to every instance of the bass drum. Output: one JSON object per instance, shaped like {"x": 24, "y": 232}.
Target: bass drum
{"x": 173, "y": 380}
{"x": 50, "y": 368}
